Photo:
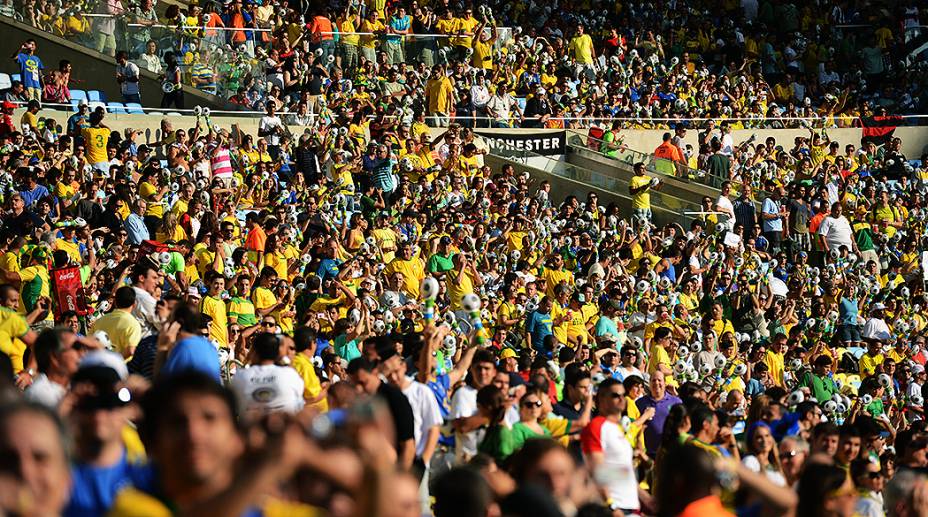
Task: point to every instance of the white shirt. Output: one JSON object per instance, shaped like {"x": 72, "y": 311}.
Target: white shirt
{"x": 914, "y": 390}
{"x": 269, "y": 388}
{"x": 875, "y": 328}
{"x": 836, "y": 231}
{"x": 464, "y": 404}
{"x": 724, "y": 205}
{"x": 151, "y": 62}
{"x": 45, "y": 392}
{"x": 131, "y": 70}
{"x": 774, "y": 476}
{"x": 144, "y": 311}
{"x": 267, "y": 124}
{"x": 479, "y": 95}
{"x": 616, "y": 474}
{"x": 425, "y": 412}
{"x": 728, "y": 144}
{"x": 501, "y": 105}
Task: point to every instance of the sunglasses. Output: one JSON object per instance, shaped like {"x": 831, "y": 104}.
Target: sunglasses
{"x": 789, "y": 454}
{"x": 616, "y": 395}
{"x": 267, "y": 323}
{"x": 532, "y": 403}
{"x": 875, "y": 475}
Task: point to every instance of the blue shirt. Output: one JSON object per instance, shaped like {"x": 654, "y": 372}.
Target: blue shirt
{"x": 605, "y": 325}
{"x": 30, "y": 197}
{"x": 30, "y": 69}
{"x": 655, "y": 428}
{"x": 135, "y": 227}
{"x": 848, "y": 311}
{"x": 328, "y": 268}
{"x": 771, "y": 207}
{"x": 398, "y": 24}
{"x": 94, "y": 489}
{"x": 194, "y": 353}
{"x": 539, "y": 325}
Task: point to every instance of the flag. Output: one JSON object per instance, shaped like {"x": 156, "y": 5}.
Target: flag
{"x": 878, "y": 129}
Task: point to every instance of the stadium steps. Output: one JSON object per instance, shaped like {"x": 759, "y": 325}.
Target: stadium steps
{"x": 689, "y": 191}
{"x": 571, "y": 179}
{"x": 91, "y": 70}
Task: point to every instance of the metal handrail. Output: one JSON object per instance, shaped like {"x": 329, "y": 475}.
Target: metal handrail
{"x": 631, "y": 156}
{"x": 607, "y": 182}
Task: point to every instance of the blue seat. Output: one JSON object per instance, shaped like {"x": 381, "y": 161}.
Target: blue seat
{"x": 5, "y": 81}
{"x": 74, "y": 105}
{"x": 134, "y": 108}
{"x": 95, "y": 96}
{"x": 116, "y": 107}
{"x": 16, "y": 77}
{"x": 77, "y": 95}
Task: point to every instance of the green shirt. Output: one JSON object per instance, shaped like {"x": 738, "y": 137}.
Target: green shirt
{"x": 499, "y": 442}
{"x": 439, "y": 264}
{"x": 345, "y": 349}
{"x": 243, "y": 311}
{"x": 823, "y": 388}
{"x": 522, "y": 433}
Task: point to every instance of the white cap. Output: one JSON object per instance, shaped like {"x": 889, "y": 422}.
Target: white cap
{"x": 105, "y": 359}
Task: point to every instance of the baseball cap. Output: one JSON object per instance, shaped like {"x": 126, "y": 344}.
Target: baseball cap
{"x": 445, "y": 240}
{"x": 193, "y": 291}
{"x": 917, "y": 368}
{"x": 104, "y": 370}
{"x": 508, "y": 353}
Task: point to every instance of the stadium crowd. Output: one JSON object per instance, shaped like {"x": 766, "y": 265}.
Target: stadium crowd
{"x": 228, "y": 323}
{"x": 770, "y": 63}
{"x": 367, "y": 319}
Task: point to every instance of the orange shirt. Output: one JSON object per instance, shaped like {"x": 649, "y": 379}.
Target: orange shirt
{"x": 709, "y": 506}
{"x": 256, "y": 239}
{"x": 668, "y": 151}
{"x": 321, "y": 28}
{"x": 237, "y": 21}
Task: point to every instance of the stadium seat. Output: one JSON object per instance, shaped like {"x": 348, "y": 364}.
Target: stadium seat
{"x": 77, "y": 95}
{"x": 116, "y": 107}
{"x": 520, "y": 101}
{"x": 5, "y": 81}
{"x": 16, "y": 77}
{"x": 95, "y": 105}
{"x": 173, "y": 114}
{"x": 74, "y": 105}
{"x": 134, "y": 108}
{"x": 95, "y": 96}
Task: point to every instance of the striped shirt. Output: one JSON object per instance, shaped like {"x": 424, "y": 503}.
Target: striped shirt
{"x": 200, "y": 71}
{"x": 221, "y": 164}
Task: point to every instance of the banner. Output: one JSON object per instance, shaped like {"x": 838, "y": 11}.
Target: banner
{"x": 544, "y": 143}
{"x": 68, "y": 291}
{"x": 878, "y": 129}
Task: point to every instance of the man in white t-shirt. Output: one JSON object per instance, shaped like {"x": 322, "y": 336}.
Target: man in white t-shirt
{"x": 427, "y": 421}
{"x": 724, "y": 205}
{"x": 607, "y": 451}
{"x": 265, "y": 387}
{"x": 271, "y": 128}
{"x": 127, "y": 75}
{"x": 465, "y": 419}
{"x": 500, "y": 107}
{"x": 425, "y": 411}
{"x": 836, "y": 231}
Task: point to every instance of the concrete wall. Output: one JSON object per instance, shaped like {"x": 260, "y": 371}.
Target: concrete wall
{"x": 91, "y": 70}
{"x": 914, "y": 138}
